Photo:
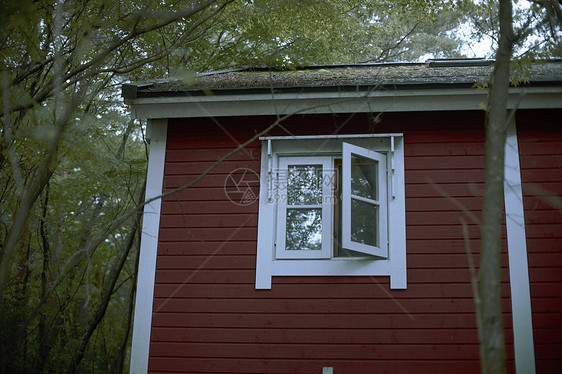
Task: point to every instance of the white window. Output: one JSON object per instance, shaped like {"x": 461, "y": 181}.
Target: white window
{"x": 304, "y": 207}
{"x": 332, "y": 205}
{"x": 364, "y": 200}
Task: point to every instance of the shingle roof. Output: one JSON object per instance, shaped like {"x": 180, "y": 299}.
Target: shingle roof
{"x": 343, "y": 77}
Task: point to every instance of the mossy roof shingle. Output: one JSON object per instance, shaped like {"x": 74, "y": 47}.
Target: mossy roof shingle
{"x": 342, "y": 76}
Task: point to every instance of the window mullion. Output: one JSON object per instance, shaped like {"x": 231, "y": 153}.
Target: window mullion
{"x": 328, "y": 199}
{"x": 303, "y": 206}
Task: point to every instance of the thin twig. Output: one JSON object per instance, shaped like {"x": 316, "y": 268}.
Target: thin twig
{"x": 473, "y": 277}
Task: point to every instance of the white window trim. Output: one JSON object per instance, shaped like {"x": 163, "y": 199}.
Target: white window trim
{"x": 522, "y": 315}
{"x": 157, "y": 133}
{"x": 394, "y": 266}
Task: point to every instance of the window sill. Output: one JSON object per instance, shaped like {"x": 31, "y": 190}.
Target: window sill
{"x": 328, "y": 267}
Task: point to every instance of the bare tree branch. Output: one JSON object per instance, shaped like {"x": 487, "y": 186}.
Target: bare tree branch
{"x": 8, "y": 139}
{"x": 30, "y": 194}
{"x": 553, "y": 8}
{"x": 107, "y": 290}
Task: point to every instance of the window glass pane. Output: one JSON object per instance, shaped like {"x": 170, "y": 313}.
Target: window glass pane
{"x": 364, "y": 177}
{"x": 364, "y": 222}
{"x": 304, "y": 185}
{"x": 304, "y": 229}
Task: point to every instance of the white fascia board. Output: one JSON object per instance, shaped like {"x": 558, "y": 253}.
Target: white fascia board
{"x": 338, "y": 102}
{"x": 148, "y": 248}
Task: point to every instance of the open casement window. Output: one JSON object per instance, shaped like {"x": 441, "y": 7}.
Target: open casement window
{"x": 364, "y": 201}
{"x": 332, "y": 206}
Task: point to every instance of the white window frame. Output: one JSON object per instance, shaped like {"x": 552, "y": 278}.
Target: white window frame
{"x": 347, "y": 151}
{"x": 282, "y": 204}
{"x": 391, "y": 263}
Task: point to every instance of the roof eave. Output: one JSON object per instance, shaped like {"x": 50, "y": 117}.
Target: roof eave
{"x": 387, "y": 99}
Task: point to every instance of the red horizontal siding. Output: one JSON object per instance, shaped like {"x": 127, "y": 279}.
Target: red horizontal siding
{"x": 325, "y": 321}
{"x": 208, "y": 317}
{"x": 315, "y": 351}
{"x": 186, "y": 168}
{"x": 540, "y": 147}
{"x": 308, "y": 365}
{"x": 315, "y": 336}
{"x": 286, "y": 294}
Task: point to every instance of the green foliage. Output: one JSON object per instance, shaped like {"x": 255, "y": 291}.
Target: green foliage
{"x": 537, "y": 30}
{"x": 285, "y": 33}
{"x": 90, "y": 178}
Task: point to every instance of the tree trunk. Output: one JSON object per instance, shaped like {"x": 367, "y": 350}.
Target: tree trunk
{"x": 492, "y": 344}
{"x": 107, "y": 290}
{"x": 44, "y": 332}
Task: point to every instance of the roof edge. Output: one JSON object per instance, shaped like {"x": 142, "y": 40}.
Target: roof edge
{"x": 403, "y": 75}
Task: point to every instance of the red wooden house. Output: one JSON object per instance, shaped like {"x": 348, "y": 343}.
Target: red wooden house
{"x": 327, "y": 219}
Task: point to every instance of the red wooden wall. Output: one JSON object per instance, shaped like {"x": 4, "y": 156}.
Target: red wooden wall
{"x": 208, "y": 318}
